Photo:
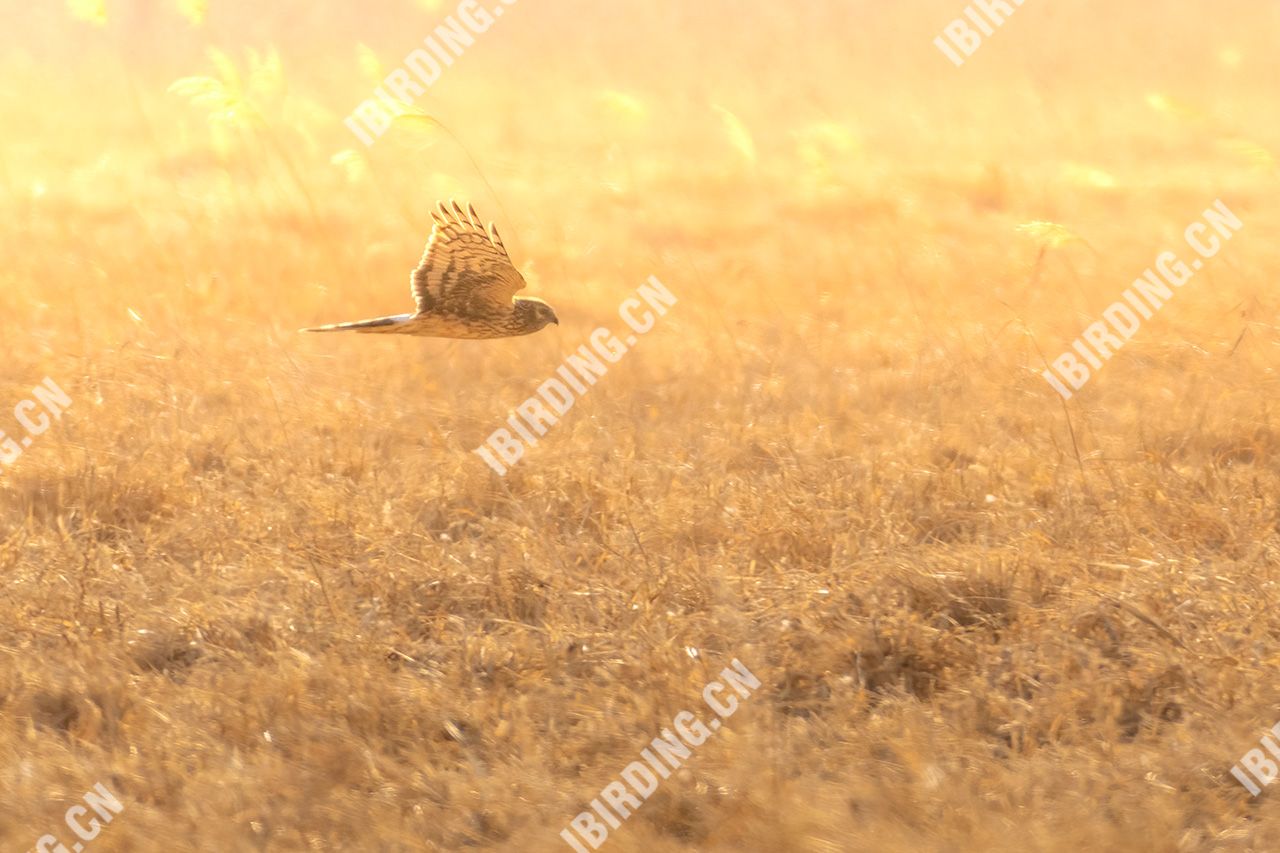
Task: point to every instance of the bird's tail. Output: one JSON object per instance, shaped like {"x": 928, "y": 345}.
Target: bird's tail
{"x": 380, "y": 324}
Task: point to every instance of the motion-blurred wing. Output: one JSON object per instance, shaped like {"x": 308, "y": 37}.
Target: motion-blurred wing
{"x": 465, "y": 269}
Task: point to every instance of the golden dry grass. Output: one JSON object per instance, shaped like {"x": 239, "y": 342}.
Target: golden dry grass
{"x": 258, "y": 585}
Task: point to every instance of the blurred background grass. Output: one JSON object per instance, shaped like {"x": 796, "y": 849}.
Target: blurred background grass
{"x": 835, "y": 459}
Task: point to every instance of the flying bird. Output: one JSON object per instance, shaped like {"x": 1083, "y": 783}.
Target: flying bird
{"x": 465, "y": 287}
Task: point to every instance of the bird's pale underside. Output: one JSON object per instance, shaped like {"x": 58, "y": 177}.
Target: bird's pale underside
{"x": 464, "y": 287}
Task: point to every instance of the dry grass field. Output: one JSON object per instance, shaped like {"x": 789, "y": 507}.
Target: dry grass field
{"x": 258, "y": 585}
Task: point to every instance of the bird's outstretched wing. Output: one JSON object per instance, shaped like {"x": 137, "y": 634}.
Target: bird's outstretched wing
{"x": 465, "y": 268}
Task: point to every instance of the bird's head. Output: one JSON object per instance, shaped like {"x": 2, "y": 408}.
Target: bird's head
{"x": 534, "y": 314}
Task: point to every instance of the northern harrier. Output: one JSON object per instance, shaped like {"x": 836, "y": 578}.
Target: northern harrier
{"x": 465, "y": 287}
